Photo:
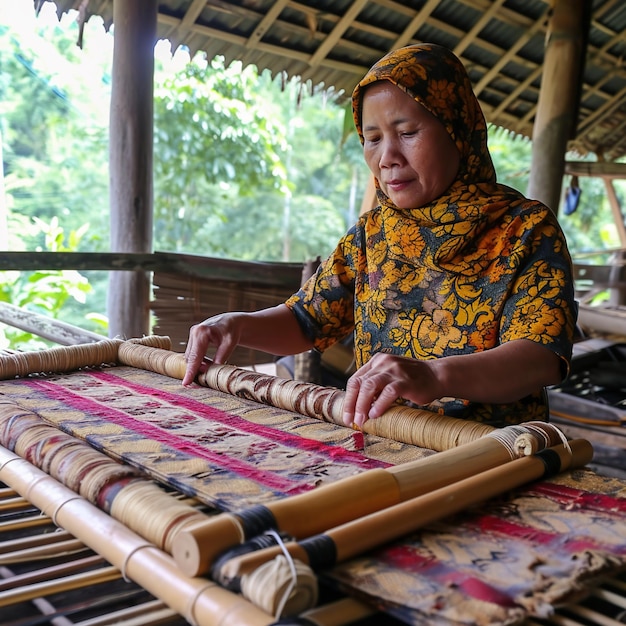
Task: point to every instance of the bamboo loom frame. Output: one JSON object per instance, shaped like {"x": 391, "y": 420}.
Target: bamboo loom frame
{"x": 486, "y": 452}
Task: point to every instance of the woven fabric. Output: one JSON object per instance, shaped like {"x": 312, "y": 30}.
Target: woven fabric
{"x": 520, "y": 556}
{"x": 226, "y": 451}
{"x": 496, "y": 564}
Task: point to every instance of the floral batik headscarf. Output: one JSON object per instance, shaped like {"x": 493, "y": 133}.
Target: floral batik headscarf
{"x": 479, "y": 266}
{"x": 435, "y": 78}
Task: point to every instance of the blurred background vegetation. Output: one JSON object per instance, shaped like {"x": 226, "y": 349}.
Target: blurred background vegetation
{"x": 246, "y": 166}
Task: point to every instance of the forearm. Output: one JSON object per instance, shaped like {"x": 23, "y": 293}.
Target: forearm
{"x": 503, "y": 374}
{"x": 274, "y": 330}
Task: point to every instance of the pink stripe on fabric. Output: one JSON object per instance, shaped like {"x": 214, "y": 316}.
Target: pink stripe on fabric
{"x": 213, "y": 414}
{"x": 92, "y": 407}
{"x": 577, "y": 498}
{"x": 408, "y": 560}
{"x": 572, "y": 544}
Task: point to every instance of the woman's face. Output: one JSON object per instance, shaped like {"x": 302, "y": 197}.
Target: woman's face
{"x": 407, "y": 148}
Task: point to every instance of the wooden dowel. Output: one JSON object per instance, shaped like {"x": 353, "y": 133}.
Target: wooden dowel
{"x": 151, "y": 612}
{"x": 31, "y": 541}
{"x": 376, "y": 529}
{"x": 198, "y": 600}
{"x": 14, "y": 504}
{"x": 400, "y": 423}
{"x": 32, "y": 521}
{"x": 46, "y": 573}
{"x": 38, "y": 553}
{"x": 196, "y": 546}
{"x": 69, "y": 358}
{"x": 59, "y": 585}
{"x": 5, "y": 492}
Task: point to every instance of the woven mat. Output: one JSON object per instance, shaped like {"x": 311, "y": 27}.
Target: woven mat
{"x": 498, "y": 564}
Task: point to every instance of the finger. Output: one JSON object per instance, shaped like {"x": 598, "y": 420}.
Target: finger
{"x": 385, "y": 399}
{"x": 223, "y": 351}
{"x": 368, "y": 391}
{"x": 349, "y": 402}
{"x": 194, "y": 355}
{"x": 194, "y": 360}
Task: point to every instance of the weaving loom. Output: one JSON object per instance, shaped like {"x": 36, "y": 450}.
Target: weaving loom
{"x": 161, "y": 481}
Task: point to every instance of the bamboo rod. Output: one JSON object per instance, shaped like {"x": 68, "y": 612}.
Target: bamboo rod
{"x": 364, "y": 534}
{"x": 418, "y": 427}
{"x": 33, "y": 540}
{"x": 70, "y": 358}
{"x": 53, "y": 571}
{"x": 38, "y": 553}
{"x": 59, "y": 585}
{"x": 32, "y": 521}
{"x": 153, "y": 610}
{"x": 196, "y": 546}
{"x": 200, "y": 601}
{"x": 14, "y": 504}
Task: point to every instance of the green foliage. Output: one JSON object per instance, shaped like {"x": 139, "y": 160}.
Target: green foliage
{"x": 246, "y": 165}
{"x": 54, "y": 131}
{"x": 212, "y": 143}
{"x": 591, "y": 226}
{"x": 44, "y": 292}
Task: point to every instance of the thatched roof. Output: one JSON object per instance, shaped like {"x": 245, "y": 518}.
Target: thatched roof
{"x": 334, "y": 42}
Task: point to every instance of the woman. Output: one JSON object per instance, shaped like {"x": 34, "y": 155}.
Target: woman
{"x": 459, "y": 290}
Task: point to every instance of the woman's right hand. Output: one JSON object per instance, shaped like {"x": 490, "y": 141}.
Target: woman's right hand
{"x": 273, "y": 330}
{"x": 222, "y": 331}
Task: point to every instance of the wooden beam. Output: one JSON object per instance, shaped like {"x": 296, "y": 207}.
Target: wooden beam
{"x": 618, "y": 218}
{"x": 330, "y": 41}
{"x": 265, "y": 24}
{"x": 189, "y": 265}
{"x": 599, "y": 169}
{"x": 471, "y": 35}
{"x": 415, "y": 23}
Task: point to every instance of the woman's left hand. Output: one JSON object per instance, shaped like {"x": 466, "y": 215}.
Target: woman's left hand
{"x": 382, "y": 380}
{"x": 500, "y": 375}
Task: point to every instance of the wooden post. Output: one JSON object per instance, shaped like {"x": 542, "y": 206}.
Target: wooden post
{"x": 555, "y": 121}
{"x": 130, "y": 161}
{"x": 616, "y": 210}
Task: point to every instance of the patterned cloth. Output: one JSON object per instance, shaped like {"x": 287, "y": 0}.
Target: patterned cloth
{"x": 226, "y": 451}
{"x": 478, "y": 568}
{"x": 502, "y": 561}
{"x": 480, "y": 266}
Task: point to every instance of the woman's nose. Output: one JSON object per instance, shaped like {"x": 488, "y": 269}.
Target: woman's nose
{"x": 389, "y": 154}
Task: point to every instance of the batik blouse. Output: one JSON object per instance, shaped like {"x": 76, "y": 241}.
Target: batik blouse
{"x": 479, "y": 266}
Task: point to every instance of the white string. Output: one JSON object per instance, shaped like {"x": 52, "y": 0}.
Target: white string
{"x": 528, "y": 438}
{"x": 293, "y": 580}
{"x": 292, "y": 568}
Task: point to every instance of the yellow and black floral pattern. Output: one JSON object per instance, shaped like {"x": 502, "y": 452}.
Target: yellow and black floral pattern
{"x": 480, "y": 266}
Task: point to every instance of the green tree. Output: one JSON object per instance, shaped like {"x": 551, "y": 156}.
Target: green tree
{"x": 46, "y": 292}
{"x": 212, "y": 144}
{"x": 54, "y": 130}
